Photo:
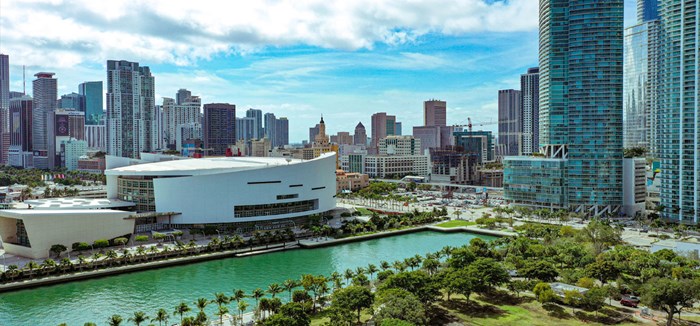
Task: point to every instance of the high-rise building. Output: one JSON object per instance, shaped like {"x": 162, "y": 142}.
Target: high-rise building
{"x": 176, "y": 114}
{"x": 4, "y": 107}
{"x": 96, "y": 137}
{"x": 245, "y": 128}
{"x": 94, "y": 108}
{"x": 580, "y": 109}
{"x": 641, "y": 69}
{"x": 679, "y": 111}
{"x": 63, "y": 125}
{"x": 647, "y": 10}
{"x": 271, "y": 128}
{"x": 313, "y": 131}
{"x": 343, "y": 138}
{"x": 190, "y": 131}
{"x": 282, "y": 133}
{"x": 360, "y": 136}
{"x": 19, "y": 151}
{"x": 72, "y": 101}
{"x": 258, "y": 130}
{"x": 399, "y": 145}
{"x": 45, "y": 94}
{"x": 510, "y": 121}
{"x": 382, "y": 125}
{"x": 72, "y": 150}
{"x": 131, "y": 109}
{"x": 530, "y": 102}
{"x": 478, "y": 142}
{"x": 219, "y": 127}
{"x": 435, "y": 113}
{"x": 398, "y": 129}
{"x": 182, "y": 96}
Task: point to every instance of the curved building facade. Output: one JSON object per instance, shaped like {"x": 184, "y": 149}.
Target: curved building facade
{"x": 227, "y": 189}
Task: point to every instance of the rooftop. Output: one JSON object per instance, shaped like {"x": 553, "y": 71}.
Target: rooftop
{"x": 205, "y": 165}
{"x": 76, "y": 203}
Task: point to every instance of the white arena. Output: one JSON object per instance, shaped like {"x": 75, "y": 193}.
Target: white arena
{"x": 222, "y": 190}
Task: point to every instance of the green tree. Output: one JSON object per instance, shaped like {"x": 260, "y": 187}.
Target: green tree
{"x": 594, "y": 298}
{"x": 242, "y": 307}
{"x": 544, "y": 292}
{"x": 603, "y": 270}
{"x": 181, "y": 309}
{"x": 57, "y": 249}
{"x": 573, "y": 298}
{"x": 671, "y": 295}
{"x": 399, "y": 304}
{"x": 601, "y": 235}
{"x": 138, "y": 318}
{"x": 274, "y": 289}
{"x": 289, "y": 285}
{"x": 161, "y": 317}
{"x": 538, "y": 270}
{"x": 115, "y": 320}
{"x": 354, "y": 298}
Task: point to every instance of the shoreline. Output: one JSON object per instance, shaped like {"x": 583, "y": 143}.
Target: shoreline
{"x": 176, "y": 261}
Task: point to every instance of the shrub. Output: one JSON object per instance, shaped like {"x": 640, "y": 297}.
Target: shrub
{"x": 80, "y": 246}
{"x": 120, "y": 241}
{"x": 141, "y": 238}
{"x": 101, "y": 243}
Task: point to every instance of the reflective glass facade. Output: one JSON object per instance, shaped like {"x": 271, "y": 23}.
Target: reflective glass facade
{"x": 640, "y": 86}
{"x": 679, "y": 113}
{"x": 535, "y": 182}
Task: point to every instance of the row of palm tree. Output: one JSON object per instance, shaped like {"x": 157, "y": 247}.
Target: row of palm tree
{"x": 320, "y": 286}
{"x": 142, "y": 254}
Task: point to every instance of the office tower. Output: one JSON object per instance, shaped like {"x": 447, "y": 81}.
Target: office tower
{"x": 19, "y": 152}
{"x": 530, "y": 102}
{"x": 219, "y": 127}
{"x": 477, "y": 142}
{"x": 313, "y": 131}
{"x": 182, "y": 96}
{"x": 282, "y": 133}
{"x": 679, "y": 112}
{"x": 63, "y": 125}
{"x": 187, "y": 132}
{"x": 176, "y": 114}
{"x": 94, "y": 108}
{"x": 435, "y": 113}
{"x": 271, "y": 128}
{"x": 343, "y": 138}
{"x": 45, "y": 95}
{"x": 509, "y": 121}
{"x": 580, "y": 112}
{"x": 398, "y": 129}
{"x": 245, "y": 128}
{"x": 258, "y": 130}
{"x": 131, "y": 109}
{"x": 360, "y": 136}
{"x": 641, "y": 69}
{"x": 382, "y": 125}
{"x": 72, "y": 150}
{"x": 399, "y": 145}
{"x": 72, "y": 101}
{"x": 160, "y": 127}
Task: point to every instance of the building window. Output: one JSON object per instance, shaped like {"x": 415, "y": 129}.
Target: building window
{"x": 274, "y": 209}
{"x": 318, "y": 188}
{"x": 262, "y": 182}
{"x": 290, "y": 196}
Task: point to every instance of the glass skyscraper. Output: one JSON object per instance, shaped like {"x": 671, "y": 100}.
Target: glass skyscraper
{"x": 679, "y": 112}
{"x": 581, "y": 44}
{"x": 92, "y": 92}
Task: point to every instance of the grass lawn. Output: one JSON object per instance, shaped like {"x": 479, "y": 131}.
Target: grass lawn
{"x": 455, "y": 223}
{"x": 508, "y": 312}
{"x": 364, "y": 211}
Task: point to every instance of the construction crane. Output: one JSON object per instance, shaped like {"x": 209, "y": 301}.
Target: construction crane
{"x": 480, "y": 124}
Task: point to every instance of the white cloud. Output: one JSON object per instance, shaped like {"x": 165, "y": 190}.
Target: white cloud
{"x": 182, "y": 32}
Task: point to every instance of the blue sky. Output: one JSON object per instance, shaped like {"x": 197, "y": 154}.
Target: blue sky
{"x": 299, "y": 59}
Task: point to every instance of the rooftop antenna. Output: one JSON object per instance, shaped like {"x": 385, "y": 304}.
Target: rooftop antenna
{"x": 24, "y": 81}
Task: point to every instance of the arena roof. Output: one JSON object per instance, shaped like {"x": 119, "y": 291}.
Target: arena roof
{"x": 76, "y": 203}
{"x": 206, "y": 165}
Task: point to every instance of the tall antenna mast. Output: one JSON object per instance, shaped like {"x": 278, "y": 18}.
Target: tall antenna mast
{"x": 24, "y": 81}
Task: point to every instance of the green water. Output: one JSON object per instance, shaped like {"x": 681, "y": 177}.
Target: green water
{"x": 94, "y": 300}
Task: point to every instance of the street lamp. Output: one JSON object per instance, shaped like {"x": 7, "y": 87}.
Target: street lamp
{"x": 218, "y": 233}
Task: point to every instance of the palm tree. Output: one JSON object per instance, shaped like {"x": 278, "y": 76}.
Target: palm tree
{"x": 201, "y": 303}
{"x": 139, "y": 317}
{"x": 220, "y": 299}
{"x": 238, "y": 295}
{"x": 257, "y": 294}
{"x": 111, "y": 255}
{"x": 288, "y": 286}
{"x": 274, "y": 289}
{"x": 336, "y": 280}
{"x": 115, "y": 320}
{"x": 48, "y": 266}
{"x": 31, "y": 266}
{"x": 81, "y": 262}
{"x": 181, "y": 309}
{"x": 12, "y": 271}
{"x": 349, "y": 274}
{"x": 161, "y": 316}
{"x": 95, "y": 257}
{"x": 153, "y": 250}
{"x": 242, "y": 306}
{"x": 384, "y": 265}
{"x": 371, "y": 269}
{"x": 457, "y": 213}
{"x": 223, "y": 310}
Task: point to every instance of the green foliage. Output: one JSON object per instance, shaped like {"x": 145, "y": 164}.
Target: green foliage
{"x": 57, "y": 249}
{"x": 671, "y": 296}
{"x": 120, "y": 241}
{"x": 395, "y": 322}
{"x": 417, "y": 283}
{"x": 573, "y": 298}
{"x": 290, "y": 314}
{"x": 544, "y": 292}
{"x": 539, "y": 269}
{"x": 354, "y": 298}
{"x": 634, "y": 152}
{"x": 101, "y": 243}
{"x": 141, "y": 238}
{"x": 80, "y": 246}
{"x": 399, "y": 304}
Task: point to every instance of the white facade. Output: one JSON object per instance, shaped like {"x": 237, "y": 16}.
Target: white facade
{"x": 399, "y": 145}
{"x": 633, "y": 185}
{"x": 176, "y": 114}
{"x": 40, "y": 229}
{"x": 96, "y": 137}
{"x": 186, "y": 131}
{"x": 228, "y": 189}
{"x": 377, "y": 166}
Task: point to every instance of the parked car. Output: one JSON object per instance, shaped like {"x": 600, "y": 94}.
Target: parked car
{"x": 630, "y": 301}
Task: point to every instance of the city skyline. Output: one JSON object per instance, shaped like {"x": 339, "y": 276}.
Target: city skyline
{"x": 346, "y": 77}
